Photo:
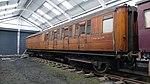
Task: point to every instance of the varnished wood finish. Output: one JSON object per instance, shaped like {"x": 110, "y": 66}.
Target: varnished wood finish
{"x": 121, "y": 34}
{"x": 96, "y": 41}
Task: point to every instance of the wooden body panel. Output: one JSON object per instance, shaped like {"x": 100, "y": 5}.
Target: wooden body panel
{"x": 102, "y": 42}
{"x": 73, "y": 44}
{"x": 42, "y": 45}
{"x": 27, "y": 43}
{"x": 121, "y": 31}
{"x": 97, "y": 24}
{"x": 41, "y": 39}
{"x": 59, "y": 44}
{"x": 97, "y": 40}
{"x": 66, "y": 44}
{"x": 83, "y": 45}
{"x": 51, "y": 46}
{"x": 55, "y": 44}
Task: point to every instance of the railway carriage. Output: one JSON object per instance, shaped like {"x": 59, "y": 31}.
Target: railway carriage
{"x": 144, "y": 32}
{"x": 105, "y": 32}
{"x": 108, "y": 40}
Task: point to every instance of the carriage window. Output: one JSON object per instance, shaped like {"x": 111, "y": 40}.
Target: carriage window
{"x": 107, "y": 23}
{"x": 82, "y": 27}
{"x": 89, "y": 27}
{"x": 55, "y": 35}
{"x": 70, "y": 31}
{"x": 46, "y": 37}
{"x": 76, "y": 31}
{"x": 66, "y": 32}
{"x": 62, "y": 36}
{"x": 58, "y": 34}
{"x": 52, "y": 35}
{"x": 147, "y": 18}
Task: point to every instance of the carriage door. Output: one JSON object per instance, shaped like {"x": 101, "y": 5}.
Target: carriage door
{"x": 46, "y": 40}
{"x": 82, "y": 36}
{"x": 66, "y": 39}
{"x": 55, "y": 39}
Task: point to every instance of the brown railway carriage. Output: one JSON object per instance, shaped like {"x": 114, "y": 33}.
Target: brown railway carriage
{"x": 105, "y": 32}
{"x": 105, "y": 39}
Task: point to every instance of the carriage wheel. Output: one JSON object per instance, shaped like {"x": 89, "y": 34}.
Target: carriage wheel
{"x": 99, "y": 66}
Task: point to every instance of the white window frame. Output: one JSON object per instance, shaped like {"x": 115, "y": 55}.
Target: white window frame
{"x": 147, "y": 18}
{"x": 108, "y": 28}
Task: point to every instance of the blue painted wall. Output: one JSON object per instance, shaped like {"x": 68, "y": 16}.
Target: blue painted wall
{"x": 8, "y": 41}
{"x": 23, "y": 35}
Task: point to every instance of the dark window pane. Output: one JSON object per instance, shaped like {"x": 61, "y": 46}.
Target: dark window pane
{"x": 58, "y": 34}
{"x": 66, "y": 32}
{"x": 52, "y": 34}
{"x": 89, "y": 27}
{"x": 62, "y": 33}
{"x": 76, "y": 31}
{"x": 82, "y": 27}
{"x": 70, "y": 31}
{"x": 47, "y": 36}
{"x": 55, "y": 35}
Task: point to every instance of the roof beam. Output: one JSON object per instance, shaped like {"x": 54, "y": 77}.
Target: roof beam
{"x": 102, "y": 2}
{"x": 26, "y": 6}
{"x": 54, "y": 5}
{"x": 39, "y": 16}
{"x": 26, "y": 9}
{"x": 32, "y": 23}
{"x": 94, "y": 10}
{"x": 8, "y": 18}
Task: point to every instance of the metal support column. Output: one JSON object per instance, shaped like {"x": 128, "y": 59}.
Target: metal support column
{"x": 149, "y": 68}
{"x": 18, "y": 37}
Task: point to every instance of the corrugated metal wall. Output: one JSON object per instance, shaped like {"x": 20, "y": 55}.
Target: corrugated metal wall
{"x": 8, "y": 41}
{"x": 23, "y": 35}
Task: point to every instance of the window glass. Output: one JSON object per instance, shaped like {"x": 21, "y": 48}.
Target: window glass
{"x": 89, "y": 27}
{"x": 55, "y": 35}
{"x": 76, "y": 31}
{"x": 62, "y": 33}
{"x": 52, "y": 35}
{"x": 66, "y": 32}
{"x": 107, "y": 24}
{"x": 147, "y": 18}
{"x": 58, "y": 34}
{"x": 70, "y": 31}
{"x": 82, "y": 27}
{"x": 47, "y": 36}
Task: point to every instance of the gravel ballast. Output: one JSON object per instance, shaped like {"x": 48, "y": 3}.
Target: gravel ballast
{"x": 27, "y": 71}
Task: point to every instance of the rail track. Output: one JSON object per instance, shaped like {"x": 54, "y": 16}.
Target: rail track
{"x": 118, "y": 79}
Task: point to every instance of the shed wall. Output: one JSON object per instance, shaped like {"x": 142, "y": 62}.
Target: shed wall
{"x": 8, "y": 41}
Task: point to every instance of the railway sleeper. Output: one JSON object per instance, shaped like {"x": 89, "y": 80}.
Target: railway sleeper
{"x": 104, "y": 78}
{"x": 91, "y": 74}
{"x": 65, "y": 67}
{"x": 80, "y": 72}
{"x": 72, "y": 69}
{"x": 120, "y": 82}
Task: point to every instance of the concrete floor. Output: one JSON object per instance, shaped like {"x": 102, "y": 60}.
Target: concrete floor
{"x": 26, "y": 71}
